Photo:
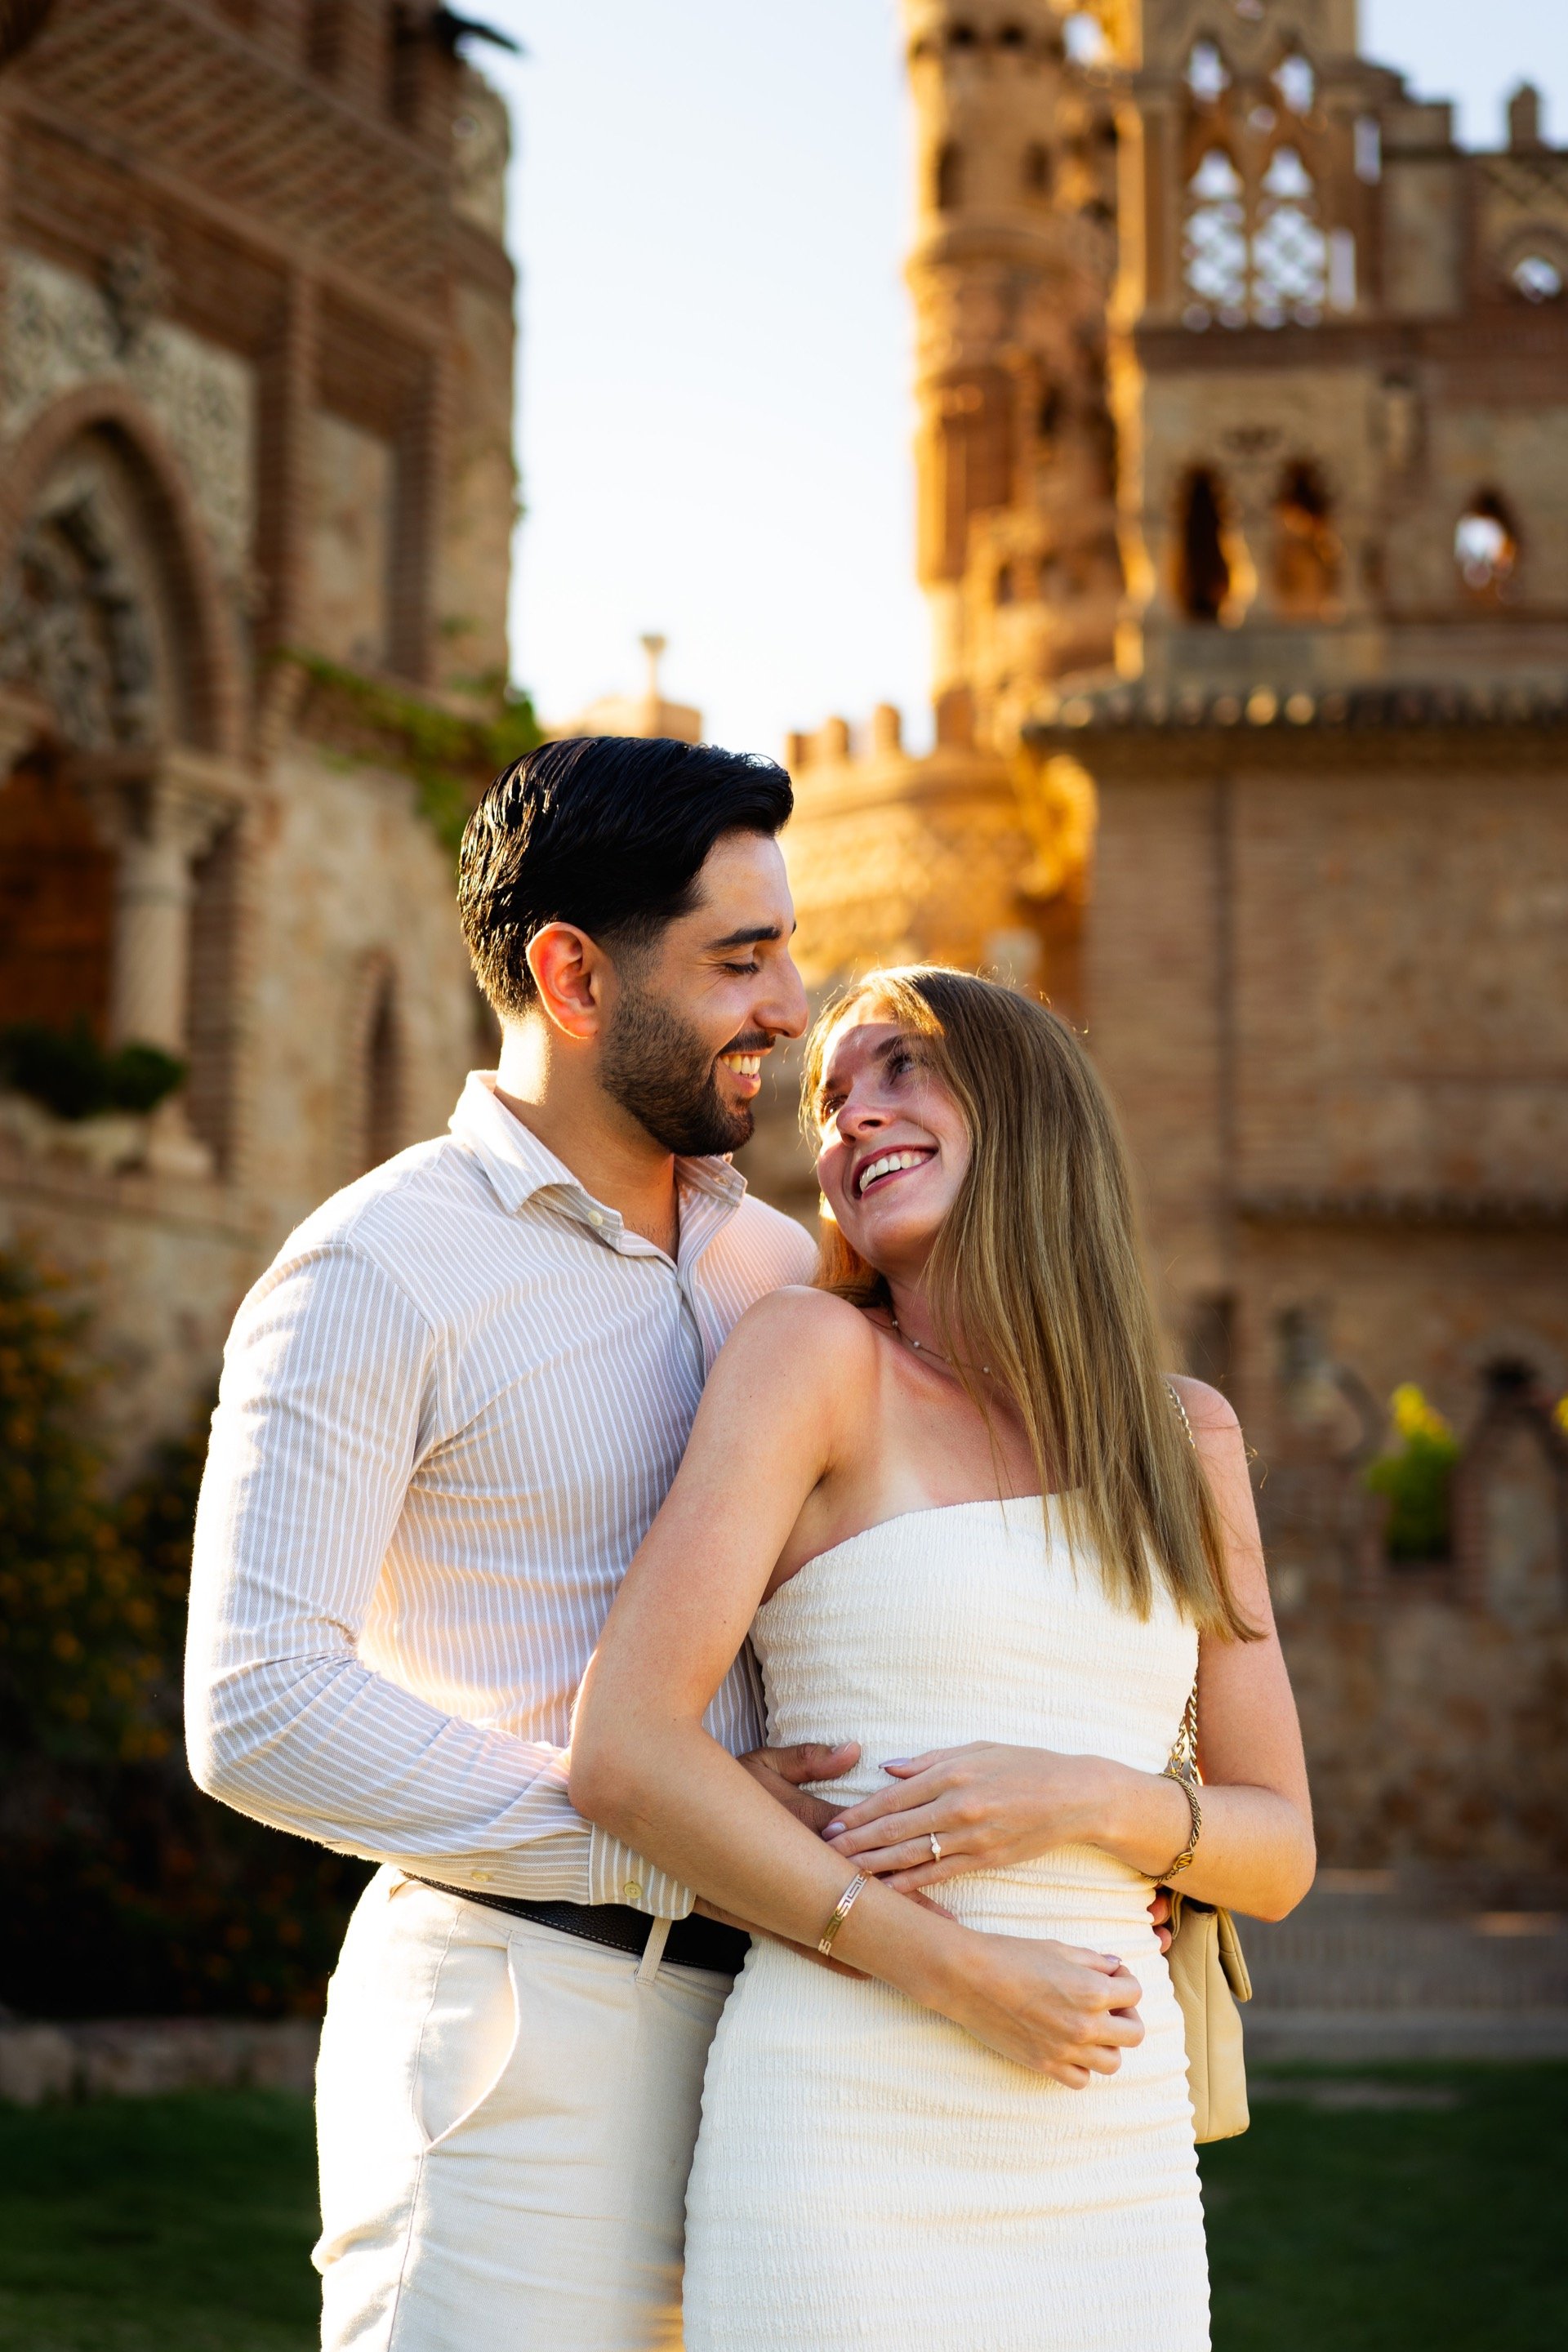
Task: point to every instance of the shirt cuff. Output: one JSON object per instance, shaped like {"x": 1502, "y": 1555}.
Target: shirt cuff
{"x": 616, "y": 1874}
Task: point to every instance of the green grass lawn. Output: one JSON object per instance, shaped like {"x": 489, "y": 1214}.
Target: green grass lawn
{"x": 159, "y": 2225}
{"x": 1399, "y": 2210}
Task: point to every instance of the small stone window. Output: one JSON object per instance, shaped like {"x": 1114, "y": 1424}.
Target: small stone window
{"x": 1368, "y": 148}
{"x": 1012, "y": 37}
{"x": 1289, "y": 252}
{"x": 962, "y": 36}
{"x": 1296, "y": 83}
{"x": 1036, "y": 169}
{"x": 1084, "y": 37}
{"x": 1215, "y": 259}
{"x": 1536, "y": 277}
{"x": 1206, "y": 76}
{"x": 1203, "y": 583}
{"x": 947, "y": 181}
{"x": 1306, "y": 546}
{"x": 1486, "y": 546}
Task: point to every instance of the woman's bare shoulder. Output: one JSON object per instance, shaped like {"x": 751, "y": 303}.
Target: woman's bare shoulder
{"x": 1211, "y": 1414}
{"x": 796, "y": 1324}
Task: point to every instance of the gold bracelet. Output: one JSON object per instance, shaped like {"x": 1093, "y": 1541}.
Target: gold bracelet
{"x": 1189, "y": 1789}
{"x": 846, "y": 1904}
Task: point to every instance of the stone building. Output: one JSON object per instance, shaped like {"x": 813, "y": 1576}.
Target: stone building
{"x": 256, "y": 506}
{"x": 1243, "y": 461}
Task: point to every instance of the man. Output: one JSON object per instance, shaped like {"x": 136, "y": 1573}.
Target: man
{"x": 450, "y": 1411}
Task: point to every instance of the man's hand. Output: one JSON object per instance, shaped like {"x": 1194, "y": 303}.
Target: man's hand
{"x": 783, "y": 1772}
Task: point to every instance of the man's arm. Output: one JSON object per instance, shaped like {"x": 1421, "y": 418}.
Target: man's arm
{"x": 331, "y": 1399}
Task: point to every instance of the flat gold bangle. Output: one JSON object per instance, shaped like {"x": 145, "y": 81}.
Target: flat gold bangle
{"x": 844, "y": 1906}
{"x": 1189, "y": 1790}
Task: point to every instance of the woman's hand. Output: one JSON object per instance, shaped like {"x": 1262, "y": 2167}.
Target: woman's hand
{"x": 1055, "y": 2009}
{"x": 988, "y": 1807}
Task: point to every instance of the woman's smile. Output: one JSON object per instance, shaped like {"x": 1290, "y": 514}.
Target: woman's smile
{"x": 877, "y": 1173}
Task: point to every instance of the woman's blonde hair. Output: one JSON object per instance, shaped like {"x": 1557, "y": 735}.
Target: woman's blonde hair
{"x": 1036, "y": 1273}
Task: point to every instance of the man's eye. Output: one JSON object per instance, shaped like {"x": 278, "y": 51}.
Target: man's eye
{"x": 743, "y": 971}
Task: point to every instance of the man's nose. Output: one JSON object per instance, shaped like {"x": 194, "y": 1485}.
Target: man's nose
{"x": 787, "y": 1011}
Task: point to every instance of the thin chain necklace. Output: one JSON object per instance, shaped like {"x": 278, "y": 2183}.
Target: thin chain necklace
{"x": 921, "y": 1349}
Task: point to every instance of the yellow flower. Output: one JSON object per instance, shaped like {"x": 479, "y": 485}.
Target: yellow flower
{"x": 1414, "y": 1417}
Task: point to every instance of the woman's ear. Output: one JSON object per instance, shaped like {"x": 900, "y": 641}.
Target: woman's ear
{"x": 568, "y": 972}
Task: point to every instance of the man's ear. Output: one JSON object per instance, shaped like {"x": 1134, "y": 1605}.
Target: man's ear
{"x": 569, "y": 973}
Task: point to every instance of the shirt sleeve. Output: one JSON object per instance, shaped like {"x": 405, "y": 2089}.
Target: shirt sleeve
{"x": 331, "y": 1397}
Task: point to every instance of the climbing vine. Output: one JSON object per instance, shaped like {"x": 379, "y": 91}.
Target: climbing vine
{"x": 450, "y": 755}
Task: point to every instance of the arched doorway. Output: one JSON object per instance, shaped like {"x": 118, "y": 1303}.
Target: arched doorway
{"x": 56, "y": 901}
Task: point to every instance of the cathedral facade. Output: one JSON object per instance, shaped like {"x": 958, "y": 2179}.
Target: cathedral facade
{"x": 1243, "y": 472}
{"x": 256, "y": 506}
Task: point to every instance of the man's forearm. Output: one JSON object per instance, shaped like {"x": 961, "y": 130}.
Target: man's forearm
{"x": 332, "y": 1752}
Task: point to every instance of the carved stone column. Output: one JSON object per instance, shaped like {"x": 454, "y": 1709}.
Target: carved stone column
{"x": 161, "y": 818}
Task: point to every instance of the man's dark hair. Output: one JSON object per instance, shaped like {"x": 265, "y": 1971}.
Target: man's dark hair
{"x": 608, "y": 832}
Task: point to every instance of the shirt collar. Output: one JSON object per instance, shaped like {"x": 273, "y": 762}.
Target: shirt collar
{"x": 517, "y": 1166}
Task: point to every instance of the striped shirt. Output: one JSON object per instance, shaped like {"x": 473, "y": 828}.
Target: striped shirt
{"x": 450, "y": 1411}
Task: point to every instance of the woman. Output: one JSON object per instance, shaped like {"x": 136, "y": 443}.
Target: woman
{"x": 966, "y": 1521}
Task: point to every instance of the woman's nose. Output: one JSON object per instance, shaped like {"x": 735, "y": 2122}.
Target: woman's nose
{"x": 858, "y": 1119}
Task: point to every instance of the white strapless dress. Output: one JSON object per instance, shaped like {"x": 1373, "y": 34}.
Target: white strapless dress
{"x": 869, "y": 2178}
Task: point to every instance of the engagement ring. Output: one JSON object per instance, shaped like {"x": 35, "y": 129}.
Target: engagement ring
{"x": 935, "y": 1843}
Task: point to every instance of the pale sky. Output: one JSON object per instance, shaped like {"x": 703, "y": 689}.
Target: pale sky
{"x": 708, "y": 207}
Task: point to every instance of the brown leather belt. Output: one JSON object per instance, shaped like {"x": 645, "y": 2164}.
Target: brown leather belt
{"x": 692, "y": 1943}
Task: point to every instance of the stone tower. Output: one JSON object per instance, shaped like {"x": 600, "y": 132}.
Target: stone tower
{"x": 1339, "y": 350}
{"x": 1011, "y": 271}
{"x": 1269, "y": 791}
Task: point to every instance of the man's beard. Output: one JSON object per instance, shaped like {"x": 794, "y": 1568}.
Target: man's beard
{"x": 657, "y": 1068}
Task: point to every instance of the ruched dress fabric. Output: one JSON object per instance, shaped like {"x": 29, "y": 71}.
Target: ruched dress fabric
{"x": 867, "y": 2178}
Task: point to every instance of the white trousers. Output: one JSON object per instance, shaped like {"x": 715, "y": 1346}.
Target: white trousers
{"x": 506, "y": 2117}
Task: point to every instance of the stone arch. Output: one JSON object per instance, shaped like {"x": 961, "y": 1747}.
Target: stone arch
{"x": 1510, "y": 1502}
{"x": 1487, "y": 546}
{"x": 375, "y": 1089}
{"x": 198, "y": 612}
{"x": 1204, "y": 571}
{"x": 1306, "y": 553}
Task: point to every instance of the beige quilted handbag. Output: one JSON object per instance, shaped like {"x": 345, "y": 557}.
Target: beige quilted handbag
{"x": 1209, "y": 1975}
{"x": 1208, "y": 1970}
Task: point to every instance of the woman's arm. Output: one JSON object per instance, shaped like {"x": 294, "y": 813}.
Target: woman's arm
{"x": 990, "y": 1806}
{"x": 780, "y": 1409}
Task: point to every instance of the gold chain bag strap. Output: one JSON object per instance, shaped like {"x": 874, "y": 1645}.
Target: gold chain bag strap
{"x": 1208, "y": 1972}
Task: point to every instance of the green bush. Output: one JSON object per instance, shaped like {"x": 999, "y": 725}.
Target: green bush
{"x": 126, "y": 1891}
{"x": 72, "y": 1075}
{"x": 1417, "y": 1477}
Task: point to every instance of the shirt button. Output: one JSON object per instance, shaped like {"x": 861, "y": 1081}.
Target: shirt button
{"x": 595, "y": 1217}
{"x": 632, "y": 1890}
{"x": 484, "y": 1876}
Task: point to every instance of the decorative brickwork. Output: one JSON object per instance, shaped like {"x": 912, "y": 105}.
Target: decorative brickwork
{"x": 229, "y": 258}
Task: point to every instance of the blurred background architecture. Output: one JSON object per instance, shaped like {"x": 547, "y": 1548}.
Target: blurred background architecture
{"x": 1243, "y": 463}
{"x": 256, "y": 512}
{"x": 1242, "y": 466}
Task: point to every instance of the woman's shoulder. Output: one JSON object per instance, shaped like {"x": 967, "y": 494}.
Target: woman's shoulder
{"x": 796, "y": 1323}
{"x": 1211, "y": 1413}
